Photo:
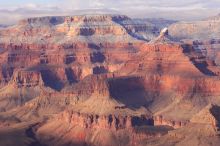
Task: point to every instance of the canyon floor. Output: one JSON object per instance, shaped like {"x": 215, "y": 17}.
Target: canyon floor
{"x": 109, "y": 80}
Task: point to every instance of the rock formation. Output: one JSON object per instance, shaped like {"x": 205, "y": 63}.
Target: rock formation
{"x": 96, "y": 80}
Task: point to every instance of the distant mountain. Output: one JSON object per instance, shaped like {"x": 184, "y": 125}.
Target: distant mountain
{"x": 3, "y": 26}
{"x": 157, "y": 22}
{"x": 197, "y": 30}
{"x": 214, "y": 18}
{"x": 153, "y": 26}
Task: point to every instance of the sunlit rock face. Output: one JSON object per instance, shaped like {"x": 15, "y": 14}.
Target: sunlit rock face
{"x": 68, "y": 48}
{"x": 203, "y": 35}
{"x": 106, "y": 80}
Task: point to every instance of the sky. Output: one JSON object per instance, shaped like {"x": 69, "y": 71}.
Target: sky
{"x": 13, "y": 10}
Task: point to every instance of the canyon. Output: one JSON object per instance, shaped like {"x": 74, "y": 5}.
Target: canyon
{"x": 109, "y": 80}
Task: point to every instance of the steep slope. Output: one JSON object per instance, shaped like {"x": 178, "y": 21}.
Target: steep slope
{"x": 202, "y": 131}
{"x": 208, "y": 115}
{"x": 24, "y": 86}
{"x": 62, "y": 51}
{"x": 177, "y": 81}
{"x": 203, "y": 35}
{"x": 68, "y": 48}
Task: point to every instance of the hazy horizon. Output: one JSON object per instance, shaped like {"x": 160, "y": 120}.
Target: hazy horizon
{"x": 14, "y": 10}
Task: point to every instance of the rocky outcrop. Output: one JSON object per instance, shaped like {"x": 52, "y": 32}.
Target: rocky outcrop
{"x": 72, "y": 29}
{"x": 165, "y": 58}
{"x": 23, "y": 87}
{"x": 208, "y": 115}
{"x": 210, "y": 50}
{"x": 163, "y": 37}
{"x": 87, "y": 136}
{"x": 24, "y": 78}
{"x": 159, "y": 120}
{"x": 113, "y": 122}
